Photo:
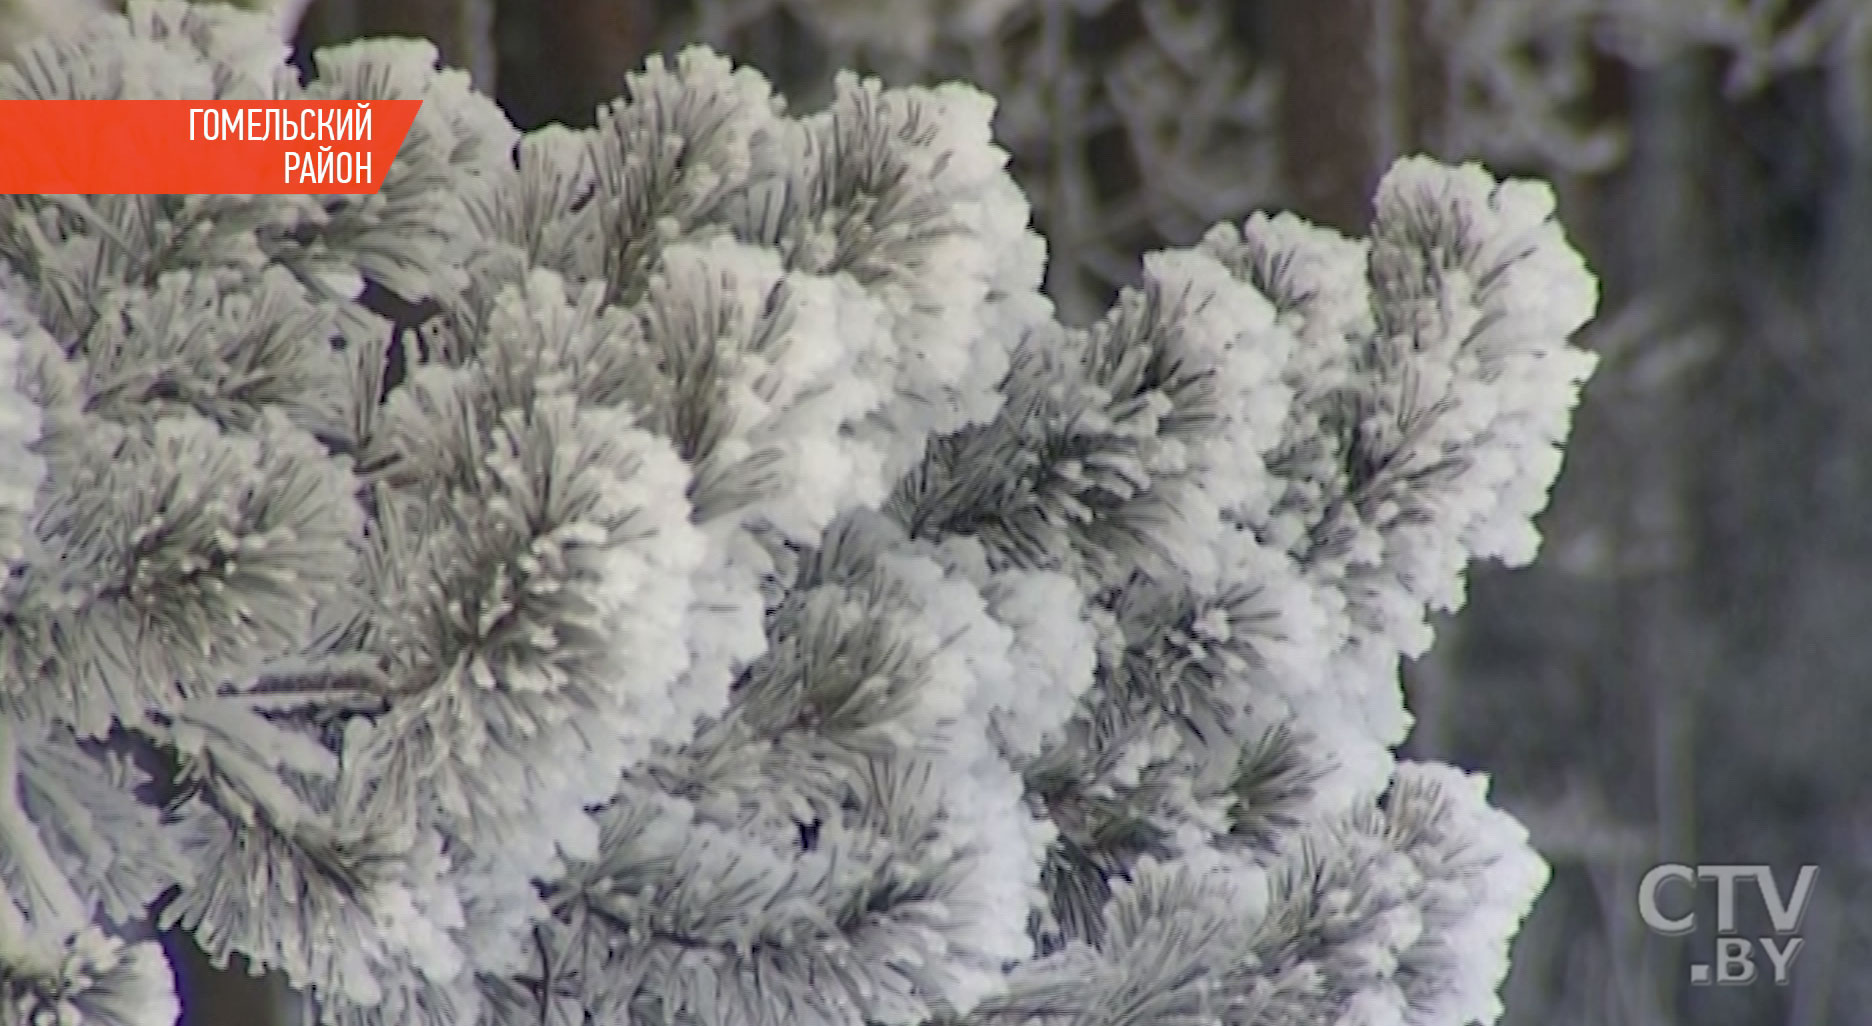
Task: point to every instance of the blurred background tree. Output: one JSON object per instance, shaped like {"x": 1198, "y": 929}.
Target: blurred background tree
{"x": 1684, "y": 677}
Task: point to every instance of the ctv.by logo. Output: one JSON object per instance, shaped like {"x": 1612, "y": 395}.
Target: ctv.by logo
{"x": 1735, "y": 955}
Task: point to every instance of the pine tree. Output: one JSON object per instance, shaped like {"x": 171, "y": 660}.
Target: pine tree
{"x": 742, "y": 601}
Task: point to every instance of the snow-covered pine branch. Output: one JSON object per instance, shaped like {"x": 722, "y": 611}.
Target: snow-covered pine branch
{"x": 746, "y": 603}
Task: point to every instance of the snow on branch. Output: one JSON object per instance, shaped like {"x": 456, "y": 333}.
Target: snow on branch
{"x": 744, "y": 601}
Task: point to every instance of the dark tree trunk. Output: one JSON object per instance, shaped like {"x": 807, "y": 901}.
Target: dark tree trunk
{"x": 559, "y": 61}
{"x": 1333, "y": 107}
{"x": 461, "y": 29}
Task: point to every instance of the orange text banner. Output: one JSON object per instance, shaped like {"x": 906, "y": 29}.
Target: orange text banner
{"x": 191, "y": 146}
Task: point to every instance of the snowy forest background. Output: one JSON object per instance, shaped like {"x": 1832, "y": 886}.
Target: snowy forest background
{"x": 1681, "y": 677}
